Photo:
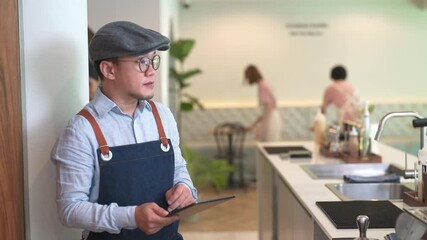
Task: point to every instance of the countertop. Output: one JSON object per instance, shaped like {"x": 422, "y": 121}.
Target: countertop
{"x": 308, "y": 190}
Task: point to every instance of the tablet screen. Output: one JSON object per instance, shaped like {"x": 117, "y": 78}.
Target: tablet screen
{"x": 200, "y": 206}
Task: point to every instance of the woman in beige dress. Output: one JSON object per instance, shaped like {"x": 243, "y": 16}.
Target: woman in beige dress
{"x": 269, "y": 125}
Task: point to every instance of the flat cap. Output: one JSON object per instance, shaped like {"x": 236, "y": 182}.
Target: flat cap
{"x": 124, "y": 38}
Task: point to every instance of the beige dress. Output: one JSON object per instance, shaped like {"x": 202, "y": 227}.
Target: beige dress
{"x": 273, "y": 130}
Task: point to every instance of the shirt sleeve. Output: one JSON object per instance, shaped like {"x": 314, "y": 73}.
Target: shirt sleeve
{"x": 74, "y": 156}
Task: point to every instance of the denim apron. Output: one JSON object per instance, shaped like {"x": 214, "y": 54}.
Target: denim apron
{"x": 131, "y": 175}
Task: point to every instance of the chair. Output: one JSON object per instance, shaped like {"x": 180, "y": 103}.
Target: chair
{"x": 229, "y": 139}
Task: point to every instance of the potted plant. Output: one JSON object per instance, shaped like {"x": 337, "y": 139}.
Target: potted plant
{"x": 207, "y": 172}
{"x": 204, "y": 171}
{"x": 180, "y": 49}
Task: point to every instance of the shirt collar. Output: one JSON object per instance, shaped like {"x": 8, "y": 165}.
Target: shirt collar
{"x": 102, "y": 104}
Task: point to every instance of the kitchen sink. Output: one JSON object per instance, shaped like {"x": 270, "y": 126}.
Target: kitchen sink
{"x": 337, "y": 171}
{"x": 369, "y": 191}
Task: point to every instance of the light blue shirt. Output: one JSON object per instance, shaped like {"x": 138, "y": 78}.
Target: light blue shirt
{"x": 76, "y": 160}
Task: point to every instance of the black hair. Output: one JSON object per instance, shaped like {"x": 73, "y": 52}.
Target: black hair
{"x": 98, "y": 70}
{"x": 93, "y": 73}
{"x": 338, "y": 73}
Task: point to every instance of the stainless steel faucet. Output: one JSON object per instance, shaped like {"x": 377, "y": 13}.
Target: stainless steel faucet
{"x": 400, "y": 114}
{"x": 408, "y": 173}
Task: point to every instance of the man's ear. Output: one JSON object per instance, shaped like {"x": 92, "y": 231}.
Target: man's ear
{"x": 107, "y": 69}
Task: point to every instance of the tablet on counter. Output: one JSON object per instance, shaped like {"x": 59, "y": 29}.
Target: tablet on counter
{"x": 300, "y": 154}
{"x": 199, "y": 206}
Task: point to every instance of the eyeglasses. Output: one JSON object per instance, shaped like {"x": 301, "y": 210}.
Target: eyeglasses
{"x": 145, "y": 62}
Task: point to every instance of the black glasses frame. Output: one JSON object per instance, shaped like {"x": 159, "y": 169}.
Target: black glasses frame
{"x": 145, "y": 62}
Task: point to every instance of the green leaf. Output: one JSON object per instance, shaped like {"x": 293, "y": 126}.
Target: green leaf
{"x": 182, "y": 77}
{"x": 186, "y": 106}
{"x": 371, "y": 108}
{"x": 181, "y": 48}
{"x": 193, "y": 100}
{"x": 220, "y": 169}
{"x": 176, "y": 75}
{"x": 207, "y": 171}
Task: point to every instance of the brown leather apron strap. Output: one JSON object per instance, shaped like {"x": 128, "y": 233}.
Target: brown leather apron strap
{"x": 159, "y": 124}
{"x": 105, "y": 150}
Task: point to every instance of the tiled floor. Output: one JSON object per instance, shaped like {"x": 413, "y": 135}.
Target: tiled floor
{"x": 234, "y": 220}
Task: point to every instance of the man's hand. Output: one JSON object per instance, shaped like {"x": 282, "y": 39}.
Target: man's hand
{"x": 150, "y": 218}
{"x": 178, "y": 197}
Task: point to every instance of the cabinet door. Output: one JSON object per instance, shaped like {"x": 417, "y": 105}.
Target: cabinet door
{"x": 285, "y": 211}
{"x": 265, "y": 198}
{"x": 303, "y": 223}
{"x": 293, "y": 221}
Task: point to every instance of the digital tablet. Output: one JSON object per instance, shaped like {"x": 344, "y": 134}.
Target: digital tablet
{"x": 200, "y": 206}
{"x": 296, "y": 154}
{"x": 284, "y": 149}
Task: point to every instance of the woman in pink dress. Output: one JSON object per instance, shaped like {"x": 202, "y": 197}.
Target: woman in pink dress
{"x": 342, "y": 95}
{"x": 269, "y": 125}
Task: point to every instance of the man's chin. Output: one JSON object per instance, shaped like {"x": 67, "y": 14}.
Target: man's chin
{"x": 147, "y": 97}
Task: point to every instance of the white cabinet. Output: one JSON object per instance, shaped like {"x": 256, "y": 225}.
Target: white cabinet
{"x": 285, "y": 212}
{"x": 280, "y": 215}
{"x": 288, "y": 196}
{"x": 293, "y": 221}
{"x": 265, "y": 198}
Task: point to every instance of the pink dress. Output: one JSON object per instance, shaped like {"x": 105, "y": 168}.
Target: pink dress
{"x": 342, "y": 95}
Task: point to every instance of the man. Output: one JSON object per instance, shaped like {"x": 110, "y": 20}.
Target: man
{"x": 341, "y": 94}
{"x": 119, "y": 165}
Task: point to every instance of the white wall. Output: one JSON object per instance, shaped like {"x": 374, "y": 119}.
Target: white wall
{"x": 53, "y": 37}
{"x": 381, "y": 42}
